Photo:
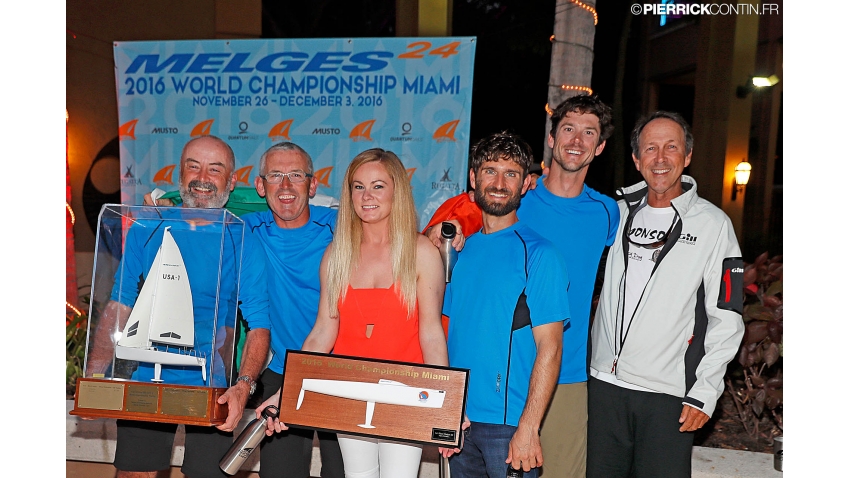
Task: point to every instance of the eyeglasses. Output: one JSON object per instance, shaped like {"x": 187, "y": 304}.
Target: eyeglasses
{"x": 295, "y": 177}
{"x": 659, "y": 243}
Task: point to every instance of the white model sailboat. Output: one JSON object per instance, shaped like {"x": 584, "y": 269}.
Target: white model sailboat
{"x": 163, "y": 316}
{"x": 385, "y": 391}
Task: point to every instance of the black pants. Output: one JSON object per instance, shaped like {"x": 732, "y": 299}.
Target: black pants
{"x": 147, "y": 446}
{"x": 288, "y": 454}
{"x": 635, "y": 434}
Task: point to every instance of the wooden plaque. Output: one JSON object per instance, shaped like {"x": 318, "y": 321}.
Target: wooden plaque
{"x": 149, "y": 402}
{"x": 375, "y": 398}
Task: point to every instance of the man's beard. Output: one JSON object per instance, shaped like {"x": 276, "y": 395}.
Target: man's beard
{"x": 190, "y": 199}
{"x": 493, "y": 208}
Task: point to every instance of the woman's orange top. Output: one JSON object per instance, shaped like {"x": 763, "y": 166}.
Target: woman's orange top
{"x": 373, "y": 323}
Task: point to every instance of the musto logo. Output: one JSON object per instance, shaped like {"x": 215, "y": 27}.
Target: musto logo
{"x": 423, "y": 396}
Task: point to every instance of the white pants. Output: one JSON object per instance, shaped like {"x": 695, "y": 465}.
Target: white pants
{"x": 373, "y": 458}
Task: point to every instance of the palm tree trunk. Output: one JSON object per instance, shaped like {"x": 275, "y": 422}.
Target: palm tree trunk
{"x": 572, "y": 56}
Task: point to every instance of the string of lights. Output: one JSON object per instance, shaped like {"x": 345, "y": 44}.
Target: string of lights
{"x": 589, "y": 9}
{"x": 76, "y": 310}
{"x": 71, "y": 211}
{"x": 552, "y": 39}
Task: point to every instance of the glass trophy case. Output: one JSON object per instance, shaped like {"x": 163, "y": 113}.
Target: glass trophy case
{"x": 163, "y": 315}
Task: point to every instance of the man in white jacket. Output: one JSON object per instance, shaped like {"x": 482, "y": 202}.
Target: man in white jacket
{"x": 669, "y": 317}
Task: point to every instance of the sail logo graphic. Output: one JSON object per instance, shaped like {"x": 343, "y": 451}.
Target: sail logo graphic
{"x": 163, "y": 176}
{"x": 243, "y": 174}
{"x": 446, "y": 132}
{"x": 363, "y": 131}
{"x": 202, "y": 129}
{"x": 323, "y": 176}
{"x": 410, "y": 174}
{"x": 423, "y": 396}
{"x": 280, "y": 131}
{"x": 128, "y": 130}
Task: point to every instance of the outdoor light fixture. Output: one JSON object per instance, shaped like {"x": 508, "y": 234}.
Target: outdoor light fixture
{"x": 742, "y": 177}
{"x": 754, "y": 82}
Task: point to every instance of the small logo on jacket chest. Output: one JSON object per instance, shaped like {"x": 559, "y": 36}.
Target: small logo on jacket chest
{"x": 688, "y": 239}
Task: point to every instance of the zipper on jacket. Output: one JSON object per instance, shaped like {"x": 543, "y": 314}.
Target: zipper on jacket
{"x": 622, "y": 295}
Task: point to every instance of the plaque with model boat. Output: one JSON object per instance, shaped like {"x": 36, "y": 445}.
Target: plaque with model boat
{"x": 161, "y": 339}
{"x": 383, "y": 399}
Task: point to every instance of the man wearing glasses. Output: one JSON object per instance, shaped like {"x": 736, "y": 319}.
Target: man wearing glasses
{"x": 294, "y": 235}
{"x": 669, "y": 317}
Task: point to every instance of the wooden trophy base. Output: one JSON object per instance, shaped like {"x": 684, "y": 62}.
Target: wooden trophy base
{"x": 149, "y": 402}
{"x": 375, "y": 398}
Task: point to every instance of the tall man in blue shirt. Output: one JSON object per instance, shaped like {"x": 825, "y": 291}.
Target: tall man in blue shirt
{"x": 294, "y": 236}
{"x": 507, "y": 306}
{"x": 582, "y": 223}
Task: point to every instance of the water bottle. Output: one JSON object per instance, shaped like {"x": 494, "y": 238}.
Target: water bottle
{"x": 514, "y": 473}
{"x": 448, "y": 253}
{"x": 248, "y": 440}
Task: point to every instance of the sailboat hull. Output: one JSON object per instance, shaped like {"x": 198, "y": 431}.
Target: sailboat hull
{"x": 159, "y": 357}
{"x": 385, "y": 391}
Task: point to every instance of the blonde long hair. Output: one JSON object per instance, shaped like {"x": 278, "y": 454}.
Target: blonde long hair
{"x": 345, "y": 248}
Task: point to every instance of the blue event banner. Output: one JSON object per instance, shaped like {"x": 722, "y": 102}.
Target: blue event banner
{"x": 333, "y": 97}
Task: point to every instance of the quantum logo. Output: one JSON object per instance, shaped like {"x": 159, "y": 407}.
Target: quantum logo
{"x": 406, "y": 131}
{"x": 202, "y": 129}
{"x": 243, "y": 133}
{"x": 323, "y": 176}
{"x": 423, "y": 396}
{"x": 363, "y": 131}
{"x": 280, "y": 131}
{"x": 163, "y": 176}
{"x": 243, "y": 174}
{"x": 128, "y": 130}
{"x": 446, "y": 132}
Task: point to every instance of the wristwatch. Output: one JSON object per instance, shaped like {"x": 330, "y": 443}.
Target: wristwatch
{"x": 251, "y": 383}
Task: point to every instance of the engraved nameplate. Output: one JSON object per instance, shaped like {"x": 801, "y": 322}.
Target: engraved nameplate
{"x": 186, "y": 402}
{"x": 100, "y": 395}
{"x": 141, "y": 398}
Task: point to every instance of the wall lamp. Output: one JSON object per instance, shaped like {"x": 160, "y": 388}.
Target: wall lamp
{"x": 754, "y": 82}
{"x": 742, "y": 177}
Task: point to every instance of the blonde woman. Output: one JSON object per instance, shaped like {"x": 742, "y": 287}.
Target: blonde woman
{"x": 381, "y": 297}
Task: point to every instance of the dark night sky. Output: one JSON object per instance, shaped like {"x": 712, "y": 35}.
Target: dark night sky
{"x": 511, "y": 61}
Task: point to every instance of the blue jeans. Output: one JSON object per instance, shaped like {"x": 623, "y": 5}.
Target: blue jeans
{"x": 485, "y": 449}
